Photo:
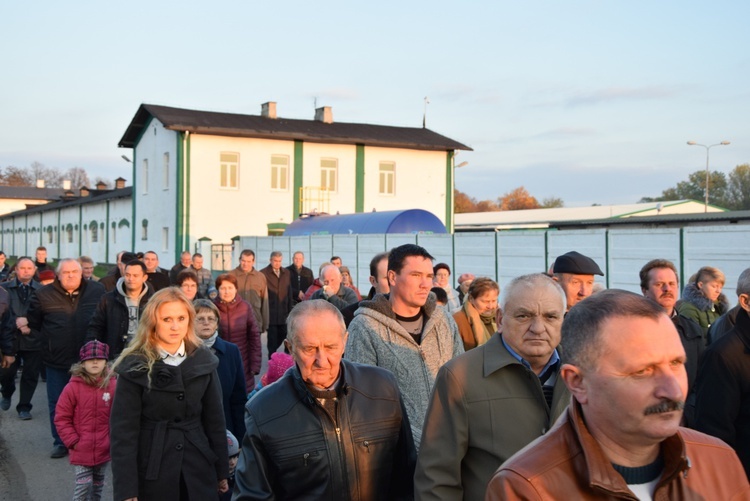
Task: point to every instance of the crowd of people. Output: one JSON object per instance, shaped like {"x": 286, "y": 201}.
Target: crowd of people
{"x": 551, "y": 388}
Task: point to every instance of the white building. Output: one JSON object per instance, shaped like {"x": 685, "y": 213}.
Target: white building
{"x": 201, "y": 175}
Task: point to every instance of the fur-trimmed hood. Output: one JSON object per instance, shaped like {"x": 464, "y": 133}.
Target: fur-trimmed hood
{"x": 693, "y": 295}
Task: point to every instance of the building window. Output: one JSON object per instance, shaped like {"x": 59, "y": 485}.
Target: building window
{"x": 230, "y": 170}
{"x": 49, "y": 235}
{"x": 144, "y": 173}
{"x": 387, "y": 185}
{"x": 144, "y": 230}
{"x": 69, "y": 231}
{"x": 114, "y": 232}
{"x": 165, "y": 239}
{"x": 166, "y": 170}
{"x": 279, "y": 172}
{"x": 328, "y": 174}
{"x": 94, "y": 232}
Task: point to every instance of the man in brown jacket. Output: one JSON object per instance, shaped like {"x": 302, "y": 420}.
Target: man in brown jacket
{"x": 621, "y": 436}
{"x": 252, "y": 287}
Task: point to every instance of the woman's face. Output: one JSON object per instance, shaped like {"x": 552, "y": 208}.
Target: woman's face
{"x": 442, "y": 277}
{"x": 346, "y": 279}
{"x": 190, "y": 288}
{"x": 227, "y": 291}
{"x": 485, "y": 303}
{"x": 206, "y": 323}
{"x": 171, "y": 325}
{"x": 711, "y": 289}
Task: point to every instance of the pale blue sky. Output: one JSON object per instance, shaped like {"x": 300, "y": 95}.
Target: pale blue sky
{"x": 590, "y": 101}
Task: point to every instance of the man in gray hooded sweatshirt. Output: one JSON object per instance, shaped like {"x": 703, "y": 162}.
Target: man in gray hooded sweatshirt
{"x": 116, "y": 318}
{"x": 405, "y": 332}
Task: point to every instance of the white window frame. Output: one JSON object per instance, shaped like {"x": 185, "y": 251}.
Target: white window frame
{"x": 229, "y": 170}
{"x": 386, "y": 176}
{"x": 329, "y": 174}
{"x": 279, "y": 172}
{"x": 144, "y": 171}
{"x": 165, "y": 166}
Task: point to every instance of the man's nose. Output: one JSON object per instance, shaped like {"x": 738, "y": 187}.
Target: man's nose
{"x": 671, "y": 384}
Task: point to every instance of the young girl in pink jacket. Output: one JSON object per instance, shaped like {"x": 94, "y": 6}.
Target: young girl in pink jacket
{"x": 82, "y": 418}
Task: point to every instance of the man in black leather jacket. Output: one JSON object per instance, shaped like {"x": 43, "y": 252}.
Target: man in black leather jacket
{"x": 329, "y": 428}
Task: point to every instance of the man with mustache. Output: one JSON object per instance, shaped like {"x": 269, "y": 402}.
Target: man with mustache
{"x": 621, "y": 438}
{"x": 659, "y": 282}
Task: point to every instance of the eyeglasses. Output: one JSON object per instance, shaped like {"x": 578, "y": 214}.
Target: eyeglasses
{"x": 208, "y": 320}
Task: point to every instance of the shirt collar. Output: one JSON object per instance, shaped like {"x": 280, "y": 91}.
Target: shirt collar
{"x": 551, "y": 363}
{"x": 168, "y": 357}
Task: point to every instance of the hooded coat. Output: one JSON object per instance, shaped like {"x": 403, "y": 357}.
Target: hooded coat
{"x": 376, "y": 338}
{"x": 82, "y": 421}
{"x": 699, "y": 308}
{"x": 169, "y": 429}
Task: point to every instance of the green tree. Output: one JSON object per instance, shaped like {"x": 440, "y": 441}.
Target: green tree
{"x": 694, "y": 189}
{"x": 738, "y": 191}
{"x": 552, "y": 203}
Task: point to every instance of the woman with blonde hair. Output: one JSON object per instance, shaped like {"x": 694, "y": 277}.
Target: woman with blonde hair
{"x": 702, "y": 300}
{"x": 476, "y": 319}
{"x": 167, "y": 427}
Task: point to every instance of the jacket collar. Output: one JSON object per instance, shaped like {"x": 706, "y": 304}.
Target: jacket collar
{"x": 599, "y": 471}
{"x": 742, "y": 328}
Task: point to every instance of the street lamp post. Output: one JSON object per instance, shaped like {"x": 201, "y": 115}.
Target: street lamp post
{"x": 708, "y": 148}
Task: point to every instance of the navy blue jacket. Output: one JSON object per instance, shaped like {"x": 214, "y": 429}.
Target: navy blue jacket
{"x": 233, "y": 390}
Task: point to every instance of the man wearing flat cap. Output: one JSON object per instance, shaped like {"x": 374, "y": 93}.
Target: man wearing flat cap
{"x": 575, "y": 272}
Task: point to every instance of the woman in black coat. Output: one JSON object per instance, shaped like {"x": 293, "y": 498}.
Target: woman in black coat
{"x": 168, "y": 437}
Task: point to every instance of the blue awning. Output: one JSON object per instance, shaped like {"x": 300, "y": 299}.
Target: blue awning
{"x": 396, "y": 221}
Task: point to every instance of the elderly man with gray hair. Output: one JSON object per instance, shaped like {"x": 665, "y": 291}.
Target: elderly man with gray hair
{"x": 494, "y": 399}
{"x": 61, "y": 312}
{"x": 333, "y": 291}
{"x": 328, "y": 428}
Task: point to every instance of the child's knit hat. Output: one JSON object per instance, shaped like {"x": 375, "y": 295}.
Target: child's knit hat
{"x": 94, "y": 350}
{"x": 277, "y": 366}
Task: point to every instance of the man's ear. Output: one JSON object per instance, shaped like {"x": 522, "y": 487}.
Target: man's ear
{"x": 574, "y": 380}
{"x": 373, "y": 281}
{"x": 288, "y": 345}
{"x": 744, "y": 300}
{"x": 391, "y": 278}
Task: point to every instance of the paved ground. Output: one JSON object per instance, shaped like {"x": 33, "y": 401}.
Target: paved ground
{"x": 26, "y": 470}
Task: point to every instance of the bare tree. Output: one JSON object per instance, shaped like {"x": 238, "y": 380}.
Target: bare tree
{"x": 15, "y": 176}
{"x": 78, "y": 178}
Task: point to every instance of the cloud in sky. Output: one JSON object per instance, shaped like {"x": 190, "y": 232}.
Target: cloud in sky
{"x": 616, "y": 94}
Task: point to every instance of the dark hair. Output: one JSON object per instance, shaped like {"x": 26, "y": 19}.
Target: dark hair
{"x": 136, "y": 262}
{"x": 247, "y": 252}
{"x": 186, "y": 274}
{"x": 655, "y": 263}
{"x": 397, "y": 256}
{"x": 275, "y": 254}
{"x": 41, "y": 247}
{"x": 333, "y": 258}
{"x": 441, "y": 266}
{"x": 226, "y": 277}
{"x": 582, "y": 329}
{"x": 440, "y": 294}
{"x": 2, "y": 253}
{"x": 375, "y": 261}
{"x": 197, "y": 254}
{"x": 481, "y": 285}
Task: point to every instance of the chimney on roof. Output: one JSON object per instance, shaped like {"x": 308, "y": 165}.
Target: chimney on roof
{"x": 84, "y": 191}
{"x": 119, "y": 183}
{"x": 68, "y": 195}
{"x": 101, "y": 185}
{"x": 66, "y": 184}
{"x": 324, "y": 114}
{"x": 268, "y": 109}
{"x": 40, "y": 183}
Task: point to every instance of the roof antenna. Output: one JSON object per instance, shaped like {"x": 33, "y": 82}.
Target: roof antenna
{"x": 315, "y": 102}
{"x": 424, "y": 116}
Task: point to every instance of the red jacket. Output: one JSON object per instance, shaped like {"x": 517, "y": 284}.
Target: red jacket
{"x": 237, "y": 325}
{"x": 82, "y": 420}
